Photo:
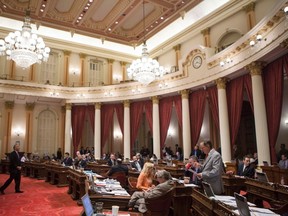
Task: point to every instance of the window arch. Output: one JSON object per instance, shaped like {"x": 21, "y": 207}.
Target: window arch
{"x": 228, "y": 39}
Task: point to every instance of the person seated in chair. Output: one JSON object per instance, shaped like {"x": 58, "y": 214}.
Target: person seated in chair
{"x": 67, "y": 161}
{"x": 112, "y": 160}
{"x": 246, "y": 169}
{"x": 166, "y": 183}
{"x": 145, "y": 179}
{"x": 191, "y": 170}
{"x": 118, "y": 168}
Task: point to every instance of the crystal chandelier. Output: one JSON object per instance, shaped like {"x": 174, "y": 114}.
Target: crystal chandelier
{"x": 24, "y": 47}
{"x": 145, "y": 70}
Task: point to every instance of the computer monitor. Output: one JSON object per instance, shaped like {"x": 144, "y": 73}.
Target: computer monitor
{"x": 242, "y": 205}
{"x": 208, "y": 189}
{"x": 262, "y": 177}
{"x": 87, "y": 205}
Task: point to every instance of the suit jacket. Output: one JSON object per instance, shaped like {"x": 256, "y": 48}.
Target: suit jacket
{"x": 212, "y": 170}
{"x": 138, "y": 198}
{"x": 67, "y": 161}
{"x": 15, "y": 160}
{"x": 118, "y": 168}
{"x": 133, "y": 165}
{"x": 111, "y": 163}
{"x": 249, "y": 171}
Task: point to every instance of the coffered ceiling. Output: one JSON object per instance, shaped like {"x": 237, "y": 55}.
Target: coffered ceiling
{"x": 119, "y": 21}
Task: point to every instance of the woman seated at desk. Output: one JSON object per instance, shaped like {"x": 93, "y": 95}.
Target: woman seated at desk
{"x": 145, "y": 178}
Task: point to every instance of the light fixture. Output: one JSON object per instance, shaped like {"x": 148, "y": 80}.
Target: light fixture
{"x": 24, "y": 47}
{"x": 253, "y": 43}
{"x": 286, "y": 11}
{"x": 145, "y": 70}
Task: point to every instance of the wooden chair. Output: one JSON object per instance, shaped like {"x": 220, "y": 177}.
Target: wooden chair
{"x": 121, "y": 177}
{"x": 159, "y": 206}
{"x": 132, "y": 182}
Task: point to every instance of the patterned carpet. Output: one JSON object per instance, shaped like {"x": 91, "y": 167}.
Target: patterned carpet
{"x": 39, "y": 198}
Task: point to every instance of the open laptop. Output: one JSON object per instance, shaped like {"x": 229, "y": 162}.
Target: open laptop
{"x": 262, "y": 177}
{"x": 87, "y": 205}
{"x": 242, "y": 205}
{"x": 210, "y": 193}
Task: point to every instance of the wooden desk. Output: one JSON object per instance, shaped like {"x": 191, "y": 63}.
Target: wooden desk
{"x": 182, "y": 200}
{"x": 222, "y": 209}
{"x": 34, "y": 169}
{"x": 201, "y": 204}
{"x": 175, "y": 172}
{"x": 4, "y": 166}
{"x": 110, "y": 200}
{"x": 233, "y": 184}
{"x": 76, "y": 184}
{"x": 56, "y": 174}
{"x": 274, "y": 173}
{"x": 106, "y": 211}
{"x": 100, "y": 169}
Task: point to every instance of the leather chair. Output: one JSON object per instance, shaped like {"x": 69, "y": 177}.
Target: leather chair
{"x": 132, "y": 182}
{"x": 121, "y": 177}
{"x": 159, "y": 206}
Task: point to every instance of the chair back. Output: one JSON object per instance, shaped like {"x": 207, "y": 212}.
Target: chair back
{"x": 159, "y": 206}
{"x": 132, "y": 182}
{"x": 121, "y": 177}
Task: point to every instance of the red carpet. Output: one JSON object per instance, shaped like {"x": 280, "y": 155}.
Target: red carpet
{"x": 39, "y": 198}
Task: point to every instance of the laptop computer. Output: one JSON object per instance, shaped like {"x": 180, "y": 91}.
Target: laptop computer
{"x": 208, "y": 189}
{"x": 242, "y": 205}
{"x": 87, "y": 205}
{"x": 262, "y": 177}
{"x": 210, "y": 193}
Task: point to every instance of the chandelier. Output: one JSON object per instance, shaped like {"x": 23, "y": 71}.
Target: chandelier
{"x": 145, "y": 70}
{"x": 24, "y": 47}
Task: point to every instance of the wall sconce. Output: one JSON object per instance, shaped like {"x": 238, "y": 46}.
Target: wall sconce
{"x": 258, "y": 41}
{"x": 54, "y": 94}
{"x": 286, "y": 11}
{"x": 80, "y": 95}
{"x": 108, "y": 93}
{"x": 117, "y": 78}
{"x": 18, "y": 132}
{"x": 286, "y": 122}
{"x": 136, "y": 91}
{"x": 226, "y": 61}
{"x": 163, "y": 84}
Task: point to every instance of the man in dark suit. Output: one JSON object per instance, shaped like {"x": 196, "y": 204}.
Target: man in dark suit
{"x": 67, "y": 160}
{"x": 245, "y": 168}
{"x": 135, "y": 164}
{"x": 112, "y": 161}
{"x": 14, "y": 169}
{"x": 118, "y": 168}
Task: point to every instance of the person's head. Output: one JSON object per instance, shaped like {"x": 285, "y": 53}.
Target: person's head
{"x": 138, "y": 155}
{"x": 255, "y": 155}
{"x": 192, "y": 159}
{"x": 112, "y": 156}
{"x": 16, "y": 147}
{"x": 282, "y": 146}
{"x": 77, "y": 153}
{"x": 162, "y": 176}
{"x": 66, "y": 154}
{"x": 283, "y": 157}
{"x": 148, "y": 168}
{"x": 196, "y": 147}
{"x": 246, "y": 160}
{"x": 206, "y": 146}
{"x": 134, "y": 158}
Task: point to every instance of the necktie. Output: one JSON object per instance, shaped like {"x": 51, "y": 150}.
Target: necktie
{"x": 17, "y": 154}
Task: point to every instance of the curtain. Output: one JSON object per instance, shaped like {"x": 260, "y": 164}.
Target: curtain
{"x": 273, "y": 91}
{"x": 148, "y": 112}
{"x": 78, "y": 120}
{"x": 120, "y": 115}
{"x": 248, "y": 88}
{"x": 213, "y": 104}
{"x": 197, "y": 108}
{"x": 136, "y": 111}
{"x": 107, "y": 111}
{"x": 178, "y": 109}
{"x": 91, "y": 115}
{"x": 235, "y": 102}
{"x": 165, "y": 111}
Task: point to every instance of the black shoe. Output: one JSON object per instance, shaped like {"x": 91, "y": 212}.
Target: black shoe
{"x": 2, "y": 192}
{"x": 19, "y": 191}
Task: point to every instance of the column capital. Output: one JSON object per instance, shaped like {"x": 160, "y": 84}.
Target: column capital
{"x": 30, "y": 106}
{"x": 155, "y": 99}
{"x": 98, "y": 106}
{"x": 206, "y": 31}
{"x": 255, "y": 68}
{"x": 126, "y": 103}
{"x": 249, "y": 7}
{"x": 284, "y": 43}
{"x": 177, "y": 47}
{"x": 184, "y": 93}
{"x": 221, "y": 83}
{"x": 68, "y": 106}
{"x": 63, "y": 109}
{"x": 9, "y": 104}
{"x": 67, "y": 53}
{"x": 82, "y": 55}
{"x": 110, "y": 61}
{"x": 122, "y": 63}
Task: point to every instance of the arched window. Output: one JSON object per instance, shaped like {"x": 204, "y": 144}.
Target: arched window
{"x": 46, "y": 133}
{"x": 228, "y": 39}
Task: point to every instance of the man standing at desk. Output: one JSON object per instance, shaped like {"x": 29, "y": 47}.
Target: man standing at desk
{"x": 14, "y": 169}
{"x": 212, "y": 168}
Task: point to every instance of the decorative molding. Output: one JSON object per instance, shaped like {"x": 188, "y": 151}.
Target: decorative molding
{"x": 221, "y": 83}
{"x": 30, "y": 106}
{"x": 9, "y": 104}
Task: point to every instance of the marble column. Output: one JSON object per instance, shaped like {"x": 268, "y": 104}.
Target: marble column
{"x": 261, "y": 127}
{"x": 156, "y": 127}
{"x": 66, "y": 67}
{"x": 127, "y": 141}
{"x": 186, "y": 130}
{"x": 97, "y": 133}
{"x": 223, "y": 120}
{"x": 29, "y": 127}
{"x": 9, "y": 105}
{"x": 68, "y": 128}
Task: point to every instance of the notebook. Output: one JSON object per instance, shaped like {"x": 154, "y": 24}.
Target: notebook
{"x": 262, "y": 177}
{"x": 87, "y": 205}
{"x": 242, "y": 205}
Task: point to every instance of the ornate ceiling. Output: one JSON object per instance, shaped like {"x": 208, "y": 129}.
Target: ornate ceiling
{"x": 114, "y": 20}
